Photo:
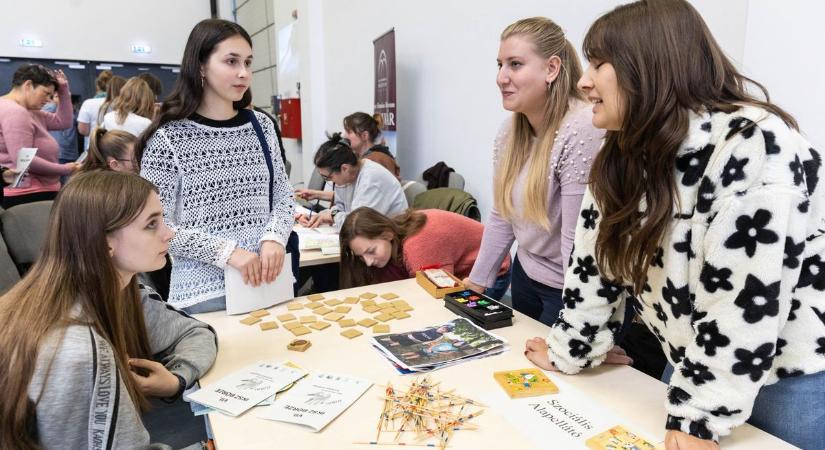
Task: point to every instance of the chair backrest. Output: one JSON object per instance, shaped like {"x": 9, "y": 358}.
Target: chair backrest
{"x": 24, "y": 229}
{"x": 411, "y": 190}
{"x": 456, "y": 181}
{"x": 288, "y": 168}
{"x": 8, "y": 270}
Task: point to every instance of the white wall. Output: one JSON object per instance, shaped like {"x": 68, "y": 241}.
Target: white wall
{"x": 100, "y": 30}
{"x": 449, "y": 106}
{"x": 783, "y": 52}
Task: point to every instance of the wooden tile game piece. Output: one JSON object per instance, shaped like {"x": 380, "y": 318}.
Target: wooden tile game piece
{"x": 292, "y": 325}
{"x": 344, "y": 323}
{"x": 259, "y": 313}
{"x": 342, "y": 309}
{"x": 389, "y": 296}
{"x": 307, "y": 319}
{"x": 351, "y": 300}
{"x": 368, "y": 295}
{"x": 400, "y": 315}
{"x": 286, "y": 317}
{"x": 384, "y": 317}
{"x": 367, "y": 322}
{"x": 351, "y": 333}
{"x": 318, "y": 325}
{"x": 385, "y": 305}
{"x": 300, "y": 331}
{"x": 322, "y": 310}
{"x": 389, "y": 310}
{"x": 268, "y": 325}
{"x": 250, "y": 320}
{"x": 371, "y": 309}
{"x": 406, "y": 308}
{"x": 315, "y": 297}
{"x": 333, "y": 316}
{"x": 381, "y": 328}
{"x": 294, "y": 306}
{"x": 333, "y": 302}
{"x": 398, "y": 303}
{"x": 367, "y": 302}
{"x": 313, "y": 305}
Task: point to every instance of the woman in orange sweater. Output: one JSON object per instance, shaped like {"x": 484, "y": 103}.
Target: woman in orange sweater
{"x": 376, "y": 248}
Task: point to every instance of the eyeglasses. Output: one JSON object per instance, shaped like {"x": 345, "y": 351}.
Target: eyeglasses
{"x": 328, "y": 177}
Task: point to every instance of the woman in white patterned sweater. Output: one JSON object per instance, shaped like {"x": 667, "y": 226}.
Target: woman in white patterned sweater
{"x": 223, "y": 188}
{"x": 704, "y": 205}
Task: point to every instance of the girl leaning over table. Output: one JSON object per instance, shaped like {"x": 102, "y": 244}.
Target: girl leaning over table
{"x": 723, "y": 246}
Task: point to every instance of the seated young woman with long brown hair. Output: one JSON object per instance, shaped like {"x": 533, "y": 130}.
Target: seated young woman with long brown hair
{"x": 111, "y": 150}
{"x": 83, "y": 346}
{"x": 376, "y": 248}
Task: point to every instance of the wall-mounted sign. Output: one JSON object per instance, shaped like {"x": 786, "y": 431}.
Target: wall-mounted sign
{"x": 29, "y": 42}
{"x": 141, "y": 49}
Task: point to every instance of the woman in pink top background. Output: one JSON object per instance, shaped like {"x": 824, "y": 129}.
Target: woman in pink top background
{"x": 23, "y": 124}
{"x": 542, "y": 159}
{"x": 376, "y": 248}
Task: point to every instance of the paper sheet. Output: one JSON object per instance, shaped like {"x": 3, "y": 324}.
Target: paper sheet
{"x": 245, "y": 388}
{"x": 563, "y": 420}
{"x": 242, "y": 298}
{"x": 317, "y": 400}
{"x": 24, "y": 159}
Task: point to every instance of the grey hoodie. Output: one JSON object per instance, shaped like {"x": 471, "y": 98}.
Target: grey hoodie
{"x": 84, "y": 404}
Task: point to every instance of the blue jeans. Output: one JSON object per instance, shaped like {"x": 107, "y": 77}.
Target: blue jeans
{"x": 500, "y": 286}
{"x": 793, "y": 409}
{"x": 534, "y": 299}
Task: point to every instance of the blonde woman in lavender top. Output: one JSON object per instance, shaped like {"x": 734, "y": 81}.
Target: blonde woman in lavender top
{"x": 542, "y": 158}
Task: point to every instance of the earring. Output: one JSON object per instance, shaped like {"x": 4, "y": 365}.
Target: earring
{"x": 203, "y": 79}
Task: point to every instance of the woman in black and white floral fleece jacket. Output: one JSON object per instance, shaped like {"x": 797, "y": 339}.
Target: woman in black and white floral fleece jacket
{"x": 733, "y": 284}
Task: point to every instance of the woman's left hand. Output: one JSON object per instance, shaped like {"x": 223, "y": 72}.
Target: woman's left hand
{"x": 159, "y": 382}
{"x": 272, "y": 260}
{"x": 60, "y": 77}
{"x": 322, "y": 218}
{"x": 678, "y": 440}
{"x": 9, "y": 175}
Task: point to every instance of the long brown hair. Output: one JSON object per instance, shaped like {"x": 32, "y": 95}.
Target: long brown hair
{"x": 135, "y": 97}
{"x": 549, "y": 41}
{"x": 667, "y": 64}
{"x": 106, "y": 144}
{"x": 369, "y": 223}
{"x": 74, "y": 270}
{"x": 112, "y": 91}
{"x": 187, "y": 94}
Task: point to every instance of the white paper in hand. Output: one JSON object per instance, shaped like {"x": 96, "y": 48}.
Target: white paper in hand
{"x": 242, "y": 298}
{"x": 24, "y": 159}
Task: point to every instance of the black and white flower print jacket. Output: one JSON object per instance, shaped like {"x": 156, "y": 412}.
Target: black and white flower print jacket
{"x": 737, "y": 293}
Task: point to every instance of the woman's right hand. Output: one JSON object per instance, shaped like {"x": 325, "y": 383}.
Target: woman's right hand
{"x": 308, "y": 194}
{"x": 9, "y": 175}
{"x": 472, "y": 286}
{"x": 73, "y": 166}
{"x": 248, "y": 264}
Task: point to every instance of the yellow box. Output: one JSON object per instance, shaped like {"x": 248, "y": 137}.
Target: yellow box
{"x": 435, "y": 291}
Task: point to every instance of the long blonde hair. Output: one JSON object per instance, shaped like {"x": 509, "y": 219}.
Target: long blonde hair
{"x": 549, "y": 41}
{"x": 135, "y": 97}
{"x": 74, "y": 269}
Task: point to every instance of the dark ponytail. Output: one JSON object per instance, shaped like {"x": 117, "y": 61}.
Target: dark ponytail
{"x": 334, "y": 153}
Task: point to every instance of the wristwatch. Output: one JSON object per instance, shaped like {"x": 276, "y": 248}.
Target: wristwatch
{"x": 333, "y": 212}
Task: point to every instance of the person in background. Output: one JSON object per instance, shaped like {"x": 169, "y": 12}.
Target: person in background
{"x": 223, "y": 187}
{"x": 87, "y": 116}
{"x": 357, "y": 182}
{"x": 84, "y": 347}
{"x": 542, "y": 158}
{"x": 133, "y": 109}
{"x": 157, "y": 88}
{"x": 364, "y": 134}
{"x": 111, "y": 150}
{"x": 24, "y": 125}
{"x": 705, "y": 209}
{"x": 66, "y": 139}
{"x": 376, "y": 248}
{"x": 112, "y": 92}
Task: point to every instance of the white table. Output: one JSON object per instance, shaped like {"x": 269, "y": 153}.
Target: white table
{"x": 624, "y": 390}
{"x": 315, "y": 257}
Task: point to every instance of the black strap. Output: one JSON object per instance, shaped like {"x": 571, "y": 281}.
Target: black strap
{"x": 265, "y": 148}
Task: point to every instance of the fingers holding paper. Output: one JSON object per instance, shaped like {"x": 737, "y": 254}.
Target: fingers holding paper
{"x": 272, "y": 260}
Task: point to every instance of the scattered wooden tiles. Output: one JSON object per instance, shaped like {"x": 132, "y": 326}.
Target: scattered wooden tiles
{"x": 268, "y": 325}
{"x": 315, "y": 297}
{"x": 294, "y": 306}
{"x": 344, "y": 323}
{"x": 259, "y": 313}
{"x": 389, "y": 296}
{"x": 384, "y": 317}
{"x": 367, "y": 322}
{"x": 307, "y": 319}
{"x": 368, "y": 295}
{"x": 318, "y": 325}
{"x": 322, "y": 310}
{"x": 381, "y": 328}
{"x": 250, "y": 320}
{"x": 292, "y": 325}
{"x": 333, "y": 316}
{"x": 286, "y": 317}
{"x": 351, "y": 333}
{"x": 371, "y": 308}
{"x": 313, "y": 305}
{"x": 342, "y": 309}
{"x": 300, "y": 331}
{"x": 400, "y": 315}
{"x": 333, "y": 302}
{"x": 351, "y": 300}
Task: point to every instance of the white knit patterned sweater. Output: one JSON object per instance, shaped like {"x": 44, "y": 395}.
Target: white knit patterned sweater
{"x": 213, "y": 186}
{"x": 736, "y": 294}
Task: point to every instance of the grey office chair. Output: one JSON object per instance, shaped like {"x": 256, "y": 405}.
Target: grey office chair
{"x": 24, "y": 229}
{"x": 411, "y": 190}
{"x": 8, "y": 270}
